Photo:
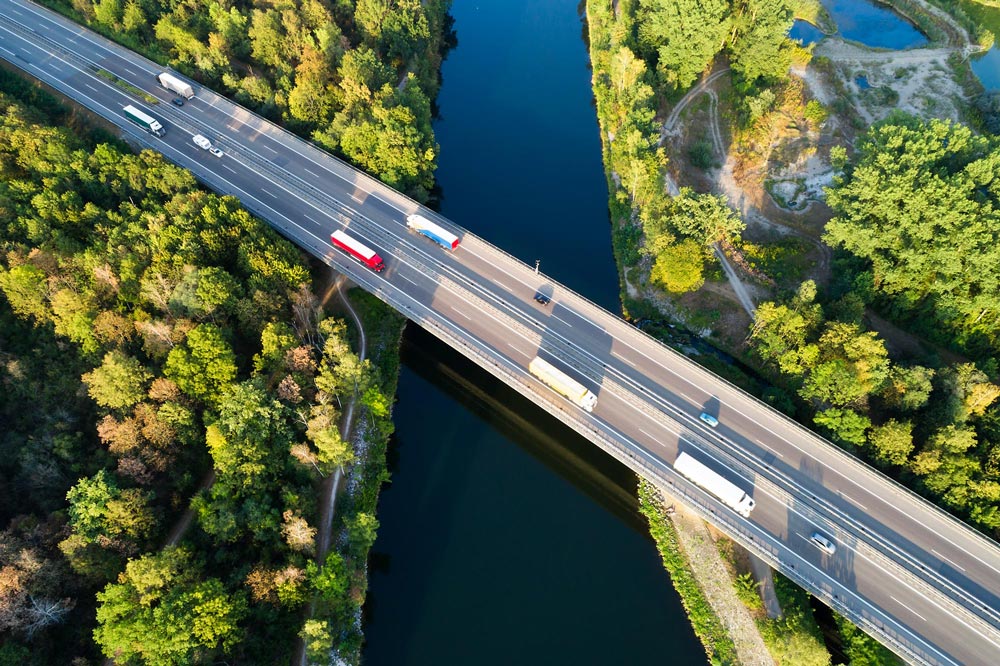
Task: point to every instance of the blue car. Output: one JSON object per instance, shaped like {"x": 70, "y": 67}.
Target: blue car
{"x": 709, "y": 419}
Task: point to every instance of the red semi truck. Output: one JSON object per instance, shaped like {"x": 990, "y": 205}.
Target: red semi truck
{"x": 357, "y": 250}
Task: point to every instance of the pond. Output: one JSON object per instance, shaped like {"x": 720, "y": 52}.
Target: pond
{"x": 866, "y": 22}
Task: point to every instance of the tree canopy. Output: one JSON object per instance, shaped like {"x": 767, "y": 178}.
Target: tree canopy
{"x": 921, "y": 205}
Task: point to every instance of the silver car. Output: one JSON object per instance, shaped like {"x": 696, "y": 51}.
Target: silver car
{"x": 823, "y": 543}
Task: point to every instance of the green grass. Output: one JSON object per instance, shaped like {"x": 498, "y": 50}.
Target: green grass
{"x": 704, "y": 621}
{"x": 794, "y": 638}
{"x": 126, "y": 86}
{"x": 811, "y": 11}
{"x": 983, "y": 13}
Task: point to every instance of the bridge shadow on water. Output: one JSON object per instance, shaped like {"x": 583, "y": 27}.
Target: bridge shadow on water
{"x": 567, "y": 453}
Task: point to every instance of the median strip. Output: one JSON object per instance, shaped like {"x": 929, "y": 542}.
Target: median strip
{"x": 125, "y": 85}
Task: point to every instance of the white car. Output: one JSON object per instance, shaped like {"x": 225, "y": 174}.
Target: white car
{"x": 823, "y": 543}
{"x": 201, "y": 142}
{"x": 216, "y": 151}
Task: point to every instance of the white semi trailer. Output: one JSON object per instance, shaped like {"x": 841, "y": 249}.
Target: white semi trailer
{"x": 171, "y": 82}
{"x": 562, "y": 383}
{"x": 729, "y": 493}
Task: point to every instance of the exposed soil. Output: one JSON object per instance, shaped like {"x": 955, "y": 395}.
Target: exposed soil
{"x": 775, "y": 176}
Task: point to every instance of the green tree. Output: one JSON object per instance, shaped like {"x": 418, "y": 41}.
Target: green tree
{"x": 759, "y": 46}
{"x": 318, "y": 640}
{"x": 679, "y": 268}
{"x": 204, "y": 366}
{"x": 683, "y": 36}
{"x": 706, "y": 218}
{"x": 892, "y": 442}
{"x": 845, "y": 426}
{"x": 26, "y": 289}
{"x": 908, "y": 388}
{"x": 161, "y": 612}
{"x": 99, "y": 509}
{"x": 922, "y": 207}
{"x": 249, "y": 438}
{"x": 119, "y": 382}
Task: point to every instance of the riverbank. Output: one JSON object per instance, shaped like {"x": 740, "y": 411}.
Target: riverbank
{"x": 723, "y": 627}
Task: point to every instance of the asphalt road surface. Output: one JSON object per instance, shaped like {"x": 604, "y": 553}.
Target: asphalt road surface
{"x": 924, "y": 583}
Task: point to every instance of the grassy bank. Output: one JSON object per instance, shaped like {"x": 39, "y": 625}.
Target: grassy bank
{"x": 355, "y": 526}
{"x": 718, "y": 645}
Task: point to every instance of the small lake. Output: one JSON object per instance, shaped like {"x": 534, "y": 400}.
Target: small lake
{"x": 987, "y": 68}
{"x": 865, "y": 22}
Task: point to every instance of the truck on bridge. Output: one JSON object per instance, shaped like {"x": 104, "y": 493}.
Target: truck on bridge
{"x": 144, "y": 120}
{"x": 562, "y": 383}
{"x": 171, "y": 82}
{"x": 435, "y": 232}
{"x": 729, "y": 493}
{"x": 357, "y": 250}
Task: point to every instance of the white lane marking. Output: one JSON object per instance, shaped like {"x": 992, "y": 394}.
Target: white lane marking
{"x": 907, "y": 608}
{"x": 8, "y": 51}
{"x": 310, "y": 219}
{"x": 131, "y": 71}
{"x": 266, "y": 147}
{"x": 960, "y": 568}
{"x": 228, "y": 168}
{"x": 270, "y": 194}
{"x": 853, "y": 501}
{"x": 652, "y": 437}
{"x": 311, "y": 172}
{"x": 622, "y": 358}
{"x": 562, "y": 320}
{"x": 502, "y": 285}
{"x": 401, "y": 276}
{"x": 461, "y": 313}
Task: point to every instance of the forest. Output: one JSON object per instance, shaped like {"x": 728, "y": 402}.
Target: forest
{"x": 358, "y": 77}
{"x": 648, "y": 52}
{"x": 158, "y": 343}
{"x": 918, "y": 230}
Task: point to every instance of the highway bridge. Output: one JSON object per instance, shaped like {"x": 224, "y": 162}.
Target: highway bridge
{"x": 920, "y": 581}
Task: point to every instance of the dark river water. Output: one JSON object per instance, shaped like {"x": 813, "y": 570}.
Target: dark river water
{"x": 505, "y": 538}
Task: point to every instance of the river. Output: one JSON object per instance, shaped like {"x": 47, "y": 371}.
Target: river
{"x": 505, "y": 537}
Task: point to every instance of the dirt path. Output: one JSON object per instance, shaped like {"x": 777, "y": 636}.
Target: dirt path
{"x": 706, "y": 564}
{"x": 184, "y": 522}
{"x": 330, "y": 486}
{"x": 741, "y": 290}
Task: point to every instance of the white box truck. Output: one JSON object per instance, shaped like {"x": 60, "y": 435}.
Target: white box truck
{"x": 171, "y": 82}
{"x": 729, "y": 493}
{"x": 562, "y": 383}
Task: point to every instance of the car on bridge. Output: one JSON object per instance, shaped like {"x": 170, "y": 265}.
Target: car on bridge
{"x": 709, "y": 419}
{"x": 822, "y": 543}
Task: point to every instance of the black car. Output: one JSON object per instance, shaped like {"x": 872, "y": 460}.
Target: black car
{"x": 542, "y": 298}
{"x": 177, "y": 101}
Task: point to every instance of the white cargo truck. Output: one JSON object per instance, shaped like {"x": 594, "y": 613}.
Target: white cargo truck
{"x": 171, "y": 82}
{"x": 729, "y": 493}
{"x": 144, "y": 120}
{"x": 562, "y": 383}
